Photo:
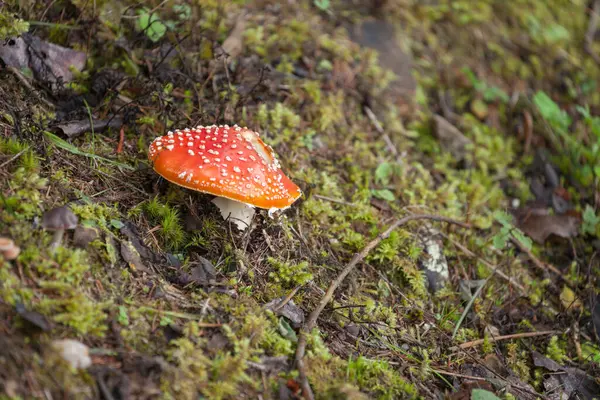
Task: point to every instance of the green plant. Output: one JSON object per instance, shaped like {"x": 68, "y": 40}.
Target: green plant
{"x": 171, "y": 228}
{"x": 580, "y": 153}
{"x": 322, "y": 5}
{"x": 555, "y": 350}
{"x": 489, "y": 93}
{"x": 151, "y": 24}
{"x": 11, "y": 26}
{"x": 590, "y": 221}
{"x": 507, "y": 231}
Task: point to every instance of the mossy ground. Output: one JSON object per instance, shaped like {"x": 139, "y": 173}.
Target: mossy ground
{"x": 303, "y": 84}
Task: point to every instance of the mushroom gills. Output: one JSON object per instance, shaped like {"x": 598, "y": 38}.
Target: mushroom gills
{"x": 239, "y": 213}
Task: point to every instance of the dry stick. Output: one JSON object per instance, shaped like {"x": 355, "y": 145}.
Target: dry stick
{"x": 501, "y": 274}
{"x": 477, "y": 342}
{"x": 384, "y": 135}
{"x": 13, "y": 158}
{"x": 358, "y": 257}
{"x": 26, "y": 83}
{"x": 536, "y": 261}
{"x": 287, "y": 299}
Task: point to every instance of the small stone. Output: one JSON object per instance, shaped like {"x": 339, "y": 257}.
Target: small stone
{"x": 83, "y": 236}
{"x": 73, "y": 352}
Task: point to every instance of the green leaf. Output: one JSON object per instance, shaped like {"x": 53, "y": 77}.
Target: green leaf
{"x": 480, "y": 394}
{"x": 286, "y": 330}
{"x": 551, "y": 112}
{"x": 590, "y": 220}
{"x": 556, "y": 33}
{"x": 503, "y": 218}
{"x": 151, "y": 25}
{"x": 322, "y": 5}
{"x": 500, "y": 239}
{"x": 115, "y": 223}
{"x": 383, "y": 194}
{"x": 522, "y": 238}
{"x": 123, "y": 318}
{"x": 183, "y": 11}
{"x": 58, "y": 142}
{"x": 383, "y": 173}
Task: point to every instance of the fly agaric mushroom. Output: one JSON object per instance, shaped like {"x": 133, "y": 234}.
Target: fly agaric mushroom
{"x": 232, "y": 163}
{"x": 57, "y": 220}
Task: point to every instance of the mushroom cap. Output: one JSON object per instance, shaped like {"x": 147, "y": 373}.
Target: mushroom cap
{"x": 59, "y": 218}
{"x": 230, "y": 162}
{"x": 6, "y": 244}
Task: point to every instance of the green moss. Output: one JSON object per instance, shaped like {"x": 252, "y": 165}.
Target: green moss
{"x": 555, "y": 350}
{"x": 23, "y": 198}
{"x": 11, "y": 26}
{"x": 171, "y": 228}
{"x": 378, "y": 378}
{"x": 290, "y": 274}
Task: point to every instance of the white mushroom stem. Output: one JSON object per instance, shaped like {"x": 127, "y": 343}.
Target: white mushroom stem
{"x": 239, "y": 213}
{"x": 56, "y": 239}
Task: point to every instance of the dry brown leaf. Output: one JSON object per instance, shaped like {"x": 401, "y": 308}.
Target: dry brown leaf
{"x": 233, "y": 45}
{"x": 539, "y": 225}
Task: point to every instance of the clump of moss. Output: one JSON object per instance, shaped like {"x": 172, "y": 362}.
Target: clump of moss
{"x": 288, "y": 273}
{"x": 24, "y": 198}
{"x": 555, "y": 350}
{"x": 171, "y": 229}
{"x": 11, "y": 26}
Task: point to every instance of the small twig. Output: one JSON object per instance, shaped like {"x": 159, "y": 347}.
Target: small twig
{"x": 478, "y": 342}
{"x": 13, "y": 158}
{"x": 26, "y": 83}
{"x": 536, "y": 261}
{"x": 121, "y": 140}
{"x": 470, "y": 303}
{"x": 332, "y": 200}
{"x": 470, "y": 377}
{"x": 501, "y": 274}
{"x": 577, "y": 343}
{"x": 358, "y": 257}
{"x": 287, "y": 299}
{"x": 384, "y": 135}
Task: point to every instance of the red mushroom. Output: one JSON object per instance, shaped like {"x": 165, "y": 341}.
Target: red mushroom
{"x": 229, "y": 162}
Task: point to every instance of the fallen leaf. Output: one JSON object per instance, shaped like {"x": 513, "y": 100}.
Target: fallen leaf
{"x": 73, "y": 129}
{"x": 132, "y": 257}
{"x": 290, "y": 310}
{"x": 540, "y": 360}
{"x": 204, "y": 273}
{"x": 130, "y": 232}
{"x": 565, "y": 382}
{"x": 539, "y": 224}
{"x": 233, "y": 45}
{"x": 48, "y": 61}
{"x": 33, "y": 318}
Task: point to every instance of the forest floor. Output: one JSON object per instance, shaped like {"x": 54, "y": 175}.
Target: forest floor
{"x": 445, "y": 245}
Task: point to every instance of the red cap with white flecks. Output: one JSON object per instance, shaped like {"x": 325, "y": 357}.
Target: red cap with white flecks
{"x": 231, "y": 162}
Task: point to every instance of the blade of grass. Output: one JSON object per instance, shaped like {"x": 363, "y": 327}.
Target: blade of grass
{"x": 60, "y": 143}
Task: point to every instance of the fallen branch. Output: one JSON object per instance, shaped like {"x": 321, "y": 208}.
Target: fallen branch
{"x": 475, "y": 343}
{"x": 358, "y": 257}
